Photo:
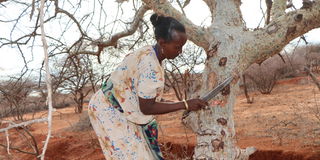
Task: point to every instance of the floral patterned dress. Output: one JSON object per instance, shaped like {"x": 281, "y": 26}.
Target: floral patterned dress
{"x": 124, "y": 132}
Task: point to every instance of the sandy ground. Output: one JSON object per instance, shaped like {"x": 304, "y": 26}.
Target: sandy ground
{"x": 282, "y": 125}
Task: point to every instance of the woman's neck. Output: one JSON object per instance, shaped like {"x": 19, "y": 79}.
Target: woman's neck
{"x": 159, "y": 53}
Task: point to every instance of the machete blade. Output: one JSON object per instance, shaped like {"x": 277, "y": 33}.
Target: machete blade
{"x": 216, "y": 90}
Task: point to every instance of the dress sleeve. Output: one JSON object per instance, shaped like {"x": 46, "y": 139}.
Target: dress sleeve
{"x": 150, "y": 77}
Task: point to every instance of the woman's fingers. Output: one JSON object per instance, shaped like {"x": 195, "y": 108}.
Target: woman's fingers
{"x": 196, "y": 104}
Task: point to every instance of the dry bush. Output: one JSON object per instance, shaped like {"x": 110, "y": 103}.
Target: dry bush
{"x": 17, "y": 99}
{"x": 62, "y": 100}
{"x": 292, "y": 66}
{"x": 34, "y": 104}
{"x": 265, "y": 75}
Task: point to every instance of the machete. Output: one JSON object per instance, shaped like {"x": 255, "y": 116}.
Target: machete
{"x": 207, "y": 97}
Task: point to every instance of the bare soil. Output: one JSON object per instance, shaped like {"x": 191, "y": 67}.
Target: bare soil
{"x": 284, "y": 125}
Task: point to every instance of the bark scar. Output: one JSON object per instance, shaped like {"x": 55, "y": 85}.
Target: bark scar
{"x": 272, "y": 28}
{"x": 217, "y": 145}
{"x": 223, "y": 133}
{"x": 213, "y": 50}
{"x": 298, "y": 17}
{"x": 223, "y": 61}
{"x": 222, "y": 121}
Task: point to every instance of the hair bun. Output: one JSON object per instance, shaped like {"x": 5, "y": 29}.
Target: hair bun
{"x": 155, "y": 19}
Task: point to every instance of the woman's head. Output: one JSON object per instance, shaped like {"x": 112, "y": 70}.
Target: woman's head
{"x": 170, "y": 35}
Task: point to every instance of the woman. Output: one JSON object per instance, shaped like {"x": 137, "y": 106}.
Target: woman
{"x": 122, "y": 112}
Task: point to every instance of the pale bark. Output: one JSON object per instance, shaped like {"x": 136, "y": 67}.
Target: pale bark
{"x": 227, "y": 13}
{"x": 13, "y": 125}
{"x": 48, "y": 79}
{"x": 278, "y": 8}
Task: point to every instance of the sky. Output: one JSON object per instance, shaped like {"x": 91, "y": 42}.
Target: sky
{"x": 12, "y": 62}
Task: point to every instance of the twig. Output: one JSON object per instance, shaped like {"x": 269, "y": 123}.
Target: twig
{"x": 22, "y": 124}
{"x": 181, "y": 7}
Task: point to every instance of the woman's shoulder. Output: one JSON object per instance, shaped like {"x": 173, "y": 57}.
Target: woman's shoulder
{"x": 145, "y": 53}
{"x": 145, "y": 50}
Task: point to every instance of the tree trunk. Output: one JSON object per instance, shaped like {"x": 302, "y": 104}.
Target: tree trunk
{"x": 249, "y": 100}
{"x": 214, "y": 126}
{"x": 231, "y": 48}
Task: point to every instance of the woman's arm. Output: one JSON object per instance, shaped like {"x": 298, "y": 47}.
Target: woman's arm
{"x": 151, "y": 107}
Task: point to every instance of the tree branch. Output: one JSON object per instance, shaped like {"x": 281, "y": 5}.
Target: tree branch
{"x": 226, "y": 13}
{"x": 23, "y": 124}
{"x": 195, "y": 33}
{"x": 272, "y": 38}
{"x": 181, "y": 7}
{"x": 278, "y": 8}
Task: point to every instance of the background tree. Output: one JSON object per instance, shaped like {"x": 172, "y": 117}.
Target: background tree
{"x": 230, "y": 47}
{"x": 76, "y": 76}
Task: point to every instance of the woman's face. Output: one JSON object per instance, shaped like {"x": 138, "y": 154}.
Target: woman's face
{"x": 173, "y": 48}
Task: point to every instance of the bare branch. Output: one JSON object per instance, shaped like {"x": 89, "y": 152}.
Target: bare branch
{"x": 32, "y": 9}
{"x": 22, "y": 124}
{"x": 181, "y": 7}
{"x": 48, "y": 78}
{"x": 114, "y": 39}
{"x": 186, "y": 3}
{"x": 59, "y": 10}
{"x": 269, "y": 6}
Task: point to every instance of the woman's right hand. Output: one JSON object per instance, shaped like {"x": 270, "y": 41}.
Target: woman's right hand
{"x": 196, "y": 104}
